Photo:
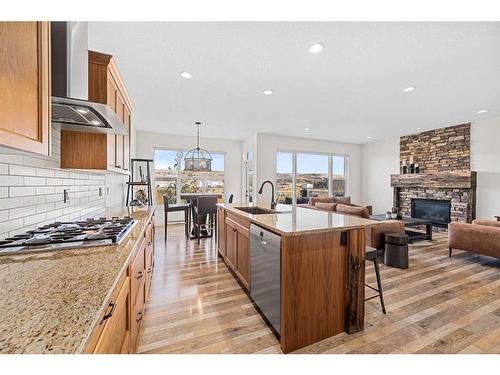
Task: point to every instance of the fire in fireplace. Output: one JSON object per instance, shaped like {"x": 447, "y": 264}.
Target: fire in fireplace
{"x": 436, "y": 210}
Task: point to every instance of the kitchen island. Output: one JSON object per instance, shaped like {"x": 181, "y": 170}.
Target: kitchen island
{"x": 321, "y": 266}
{"x": 81, "y": 300}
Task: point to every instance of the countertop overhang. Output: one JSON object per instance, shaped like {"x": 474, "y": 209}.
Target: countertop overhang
{"x": 293, "y": 220}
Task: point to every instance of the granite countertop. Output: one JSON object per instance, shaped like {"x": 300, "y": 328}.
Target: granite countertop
{"x": 50, "y": 302}
{"x": 296, "y": 220}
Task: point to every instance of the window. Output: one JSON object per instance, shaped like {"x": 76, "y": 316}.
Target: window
{"x": 300, "y": 176}
{"x": 284, "y": 180}
{"x": 171, "y": 180}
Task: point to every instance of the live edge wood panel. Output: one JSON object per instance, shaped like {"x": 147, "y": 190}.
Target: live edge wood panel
{"x": 322, "y": 279}
{"x": 107, "y": 87}
{"x": 118, "y": 333}
{"x": 25, "y": 86}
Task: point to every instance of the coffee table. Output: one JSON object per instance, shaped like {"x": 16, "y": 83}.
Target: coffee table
{"x": 411, "y": 222}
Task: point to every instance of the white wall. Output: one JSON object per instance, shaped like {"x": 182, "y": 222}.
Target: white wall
{"x": 268, "y": 145}
{"x": 146, "y": 142}
{"x": 485, "y": 159}
{"x": 379, "y": 161}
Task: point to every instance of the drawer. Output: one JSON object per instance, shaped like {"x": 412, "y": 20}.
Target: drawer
{"x": 136, "y": 318}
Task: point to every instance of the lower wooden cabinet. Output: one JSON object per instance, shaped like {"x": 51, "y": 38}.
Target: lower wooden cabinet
{"x": 120, "y": 324}
{"x": 221, "y": 231}
{"x": 237, "y": 248}
{"x": 115, "y": 336}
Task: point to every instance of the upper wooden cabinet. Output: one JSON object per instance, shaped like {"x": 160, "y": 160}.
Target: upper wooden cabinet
{"x": 105, "y": 86}
{"x": 25, "y": 86}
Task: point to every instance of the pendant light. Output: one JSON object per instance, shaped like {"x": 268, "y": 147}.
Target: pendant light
{"x": 197, "y": 159}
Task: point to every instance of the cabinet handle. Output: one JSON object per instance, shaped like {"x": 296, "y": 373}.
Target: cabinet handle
{"x": 149, "y": 243}
{"x": 139, "y": 316}
{"x": 110, "y": 314}
{"x": 118, "y": 166}
{"x": 139, "y": 274}
{"x": 150, "y": 269}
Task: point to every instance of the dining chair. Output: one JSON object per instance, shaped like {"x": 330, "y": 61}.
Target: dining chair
{"x": 205, "y": 207}
{"x": 177, "y": 208}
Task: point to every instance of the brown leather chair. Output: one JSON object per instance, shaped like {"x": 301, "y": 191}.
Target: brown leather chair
{"x": 481, "y": 237}
{"x": 375, "y": 233}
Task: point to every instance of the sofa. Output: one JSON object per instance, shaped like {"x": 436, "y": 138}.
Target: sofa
{"x": 481, "y": 237}
{"x": 341, "y": 205}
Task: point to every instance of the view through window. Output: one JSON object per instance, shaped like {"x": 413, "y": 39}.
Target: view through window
{"x": 312, "y": 175}
{"x": 171, "y": 179}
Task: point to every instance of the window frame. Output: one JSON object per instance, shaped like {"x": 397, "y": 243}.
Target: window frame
{"x": 330, "y": 169}
{"x": 178, "y": 178}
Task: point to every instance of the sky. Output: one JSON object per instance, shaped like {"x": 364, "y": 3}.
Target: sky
{"x": 308, "y": 163}
{"x": 165, "y": 159}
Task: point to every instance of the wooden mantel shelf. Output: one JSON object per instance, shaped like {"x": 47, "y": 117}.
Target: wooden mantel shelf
{"x": 458, "y": 180}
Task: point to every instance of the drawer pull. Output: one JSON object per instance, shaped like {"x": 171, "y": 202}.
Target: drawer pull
{"x": 149, "y": 243}
{"x": 139, "y": 316}
{"x": 139, "y": 274}
{"x": 110, "y": 314}
{"x": 150, "y": 269}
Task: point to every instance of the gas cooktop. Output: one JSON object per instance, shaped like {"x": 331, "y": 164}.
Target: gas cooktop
{"x": 67, "y": 235}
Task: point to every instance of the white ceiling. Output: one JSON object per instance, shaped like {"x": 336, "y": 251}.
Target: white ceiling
{"x": 350, "y": 91}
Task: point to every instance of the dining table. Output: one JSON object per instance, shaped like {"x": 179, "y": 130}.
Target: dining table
{"x": 191, "y": 199}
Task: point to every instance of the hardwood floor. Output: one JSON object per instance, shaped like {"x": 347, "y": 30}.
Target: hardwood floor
{"x": 438, "y": 305}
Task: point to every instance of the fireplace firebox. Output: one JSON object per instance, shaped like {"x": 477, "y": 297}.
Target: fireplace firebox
{"x": 436, "y": 210}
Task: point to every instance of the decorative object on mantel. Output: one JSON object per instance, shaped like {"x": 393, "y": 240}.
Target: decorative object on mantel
{"x": 417, "y": 168}
{"x": 412, "y": 165}
{"x": 197, "y": 159}
{"x": 404, "y": 167}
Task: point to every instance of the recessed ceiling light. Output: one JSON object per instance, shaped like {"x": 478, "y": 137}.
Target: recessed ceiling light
{"x": 482, "y": 111}
{"x": 95, "y": 122}
{"x": 418, "y": 128}
{"x": 368, "y": 137}
{"x": 409, "y": 89}
{"x": 307, "y": 129}
{"x": 316, "y": 48}
{"x": 186, "y": 75}
{"x": 267, "y": 92}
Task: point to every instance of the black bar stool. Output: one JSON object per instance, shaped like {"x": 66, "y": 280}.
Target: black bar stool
{"x": 372, "y": 255}
{"x": 175, "y": 208}
{"x": 205, "y": 206}
{"x": 230, "y": 200}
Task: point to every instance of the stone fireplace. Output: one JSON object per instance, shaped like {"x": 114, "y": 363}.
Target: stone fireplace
{"x": 443, "y": 156}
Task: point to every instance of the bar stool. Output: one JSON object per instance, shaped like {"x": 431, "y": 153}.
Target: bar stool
{"x": 230, "y": 200}
{"x": 205, "y": 206}
{"x": 372, "y": 255}
{"x": 176, "y": 208}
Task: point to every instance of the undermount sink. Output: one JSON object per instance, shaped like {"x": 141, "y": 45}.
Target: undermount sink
{"x": 257, "y": 210}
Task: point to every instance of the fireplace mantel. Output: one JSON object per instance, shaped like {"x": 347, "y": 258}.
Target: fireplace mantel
{"x": 457, "y": 180}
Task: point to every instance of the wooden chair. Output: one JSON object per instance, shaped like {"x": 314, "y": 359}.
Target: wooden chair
{"x": 205, "y": 206}
{"x": 372, "y": 255}
{"x": 176, "y": 208}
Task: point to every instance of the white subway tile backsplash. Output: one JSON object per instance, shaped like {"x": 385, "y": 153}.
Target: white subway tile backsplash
{"x": 31, "y": 190}
{"x": 21, "y": 170}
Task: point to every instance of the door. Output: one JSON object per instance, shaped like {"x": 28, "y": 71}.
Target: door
{"x": 25, "y": 86}
{"x": 243, "y": 256}
{"x": 231, "y": 243}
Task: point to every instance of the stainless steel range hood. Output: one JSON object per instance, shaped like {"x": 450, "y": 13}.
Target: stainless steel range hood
{"x": 70, "y": 107}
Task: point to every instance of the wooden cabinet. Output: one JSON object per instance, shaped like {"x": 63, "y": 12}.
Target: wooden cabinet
{"x": 106, "y": 151}
{"x": 115, "y": 336}
{"x": 238, "y": 247}
{"x": 121, "y": 322}
{"x": 221, "y": 231}
{"x": 25, "y": 86}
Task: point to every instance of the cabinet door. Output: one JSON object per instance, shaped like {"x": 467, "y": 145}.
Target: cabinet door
{"x": 221, "y": 236}
{"x": 136, "y": 319}
{"x": 231, "y": 243}
{"x": 126, "y": 139}
{"x": 115, "y": 337}
{"x": 111, "y": 87}
{"x": 119, "y": 138}
{"x": 25, "y": 86}
{"x": 243, "y": 256}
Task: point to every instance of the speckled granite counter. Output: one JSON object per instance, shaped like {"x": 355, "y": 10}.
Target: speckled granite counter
{"x": 296, "y": 220}
{"x": 50, "y": 302}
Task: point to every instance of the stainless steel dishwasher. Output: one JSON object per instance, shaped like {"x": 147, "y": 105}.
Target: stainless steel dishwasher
{"x": 265, "y": 254}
